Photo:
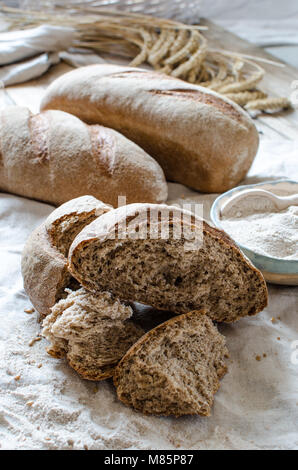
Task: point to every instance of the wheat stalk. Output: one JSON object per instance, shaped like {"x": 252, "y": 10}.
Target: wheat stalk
{"x": 245, "y": 97}
{"x": 168, "y": 46}
{"x": 268, "y": 104}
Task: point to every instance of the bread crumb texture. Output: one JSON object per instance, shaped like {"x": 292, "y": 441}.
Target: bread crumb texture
{"x": 161, "y": 271}
{"x": 175, "y": 368}
{"x": 93, "y": 331}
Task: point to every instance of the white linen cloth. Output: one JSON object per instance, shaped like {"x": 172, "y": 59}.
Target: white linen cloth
{"x": 28, "y": 54}
{"x": 28, "y": 69}
{"x": 20, "y": 45}
{"x": 45, "y": 405}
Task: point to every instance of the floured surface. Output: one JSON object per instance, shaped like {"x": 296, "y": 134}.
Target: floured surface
{"x": 50, "y": 407}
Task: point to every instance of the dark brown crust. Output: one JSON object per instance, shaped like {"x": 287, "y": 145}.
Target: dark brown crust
{"x": 83, "y": 372}
{"x": 144, "y": 339}
{"x": 87, "y": 375}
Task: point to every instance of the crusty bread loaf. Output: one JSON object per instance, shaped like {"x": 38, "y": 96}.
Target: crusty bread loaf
{"x": 173, "y": 369}
{"x": 200, "y": 139}
{"x": 54, "y": 157}
{"x": 128, "y": 252}
{"x": 93, "y": 331}
{"x": 44, "y": 263}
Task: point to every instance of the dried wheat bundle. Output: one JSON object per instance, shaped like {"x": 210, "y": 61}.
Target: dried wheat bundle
{"x": 168, "y": 46}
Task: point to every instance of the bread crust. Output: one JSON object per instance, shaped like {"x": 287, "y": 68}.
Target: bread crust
{"x": 102, "y": 229}
{"x": 44, "y": 271}
{"x": 200, "y": 138}
{"x": 44, "y": 268}
{"x": 159, "y": 329}
{"x": 85, "y": 373}
{"x": 55, "y": 157}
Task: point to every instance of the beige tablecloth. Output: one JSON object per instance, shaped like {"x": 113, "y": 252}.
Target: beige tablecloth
{"x": 45, "y": 405}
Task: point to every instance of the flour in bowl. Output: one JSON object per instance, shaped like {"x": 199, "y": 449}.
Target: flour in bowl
{"x": 267, "y": 232}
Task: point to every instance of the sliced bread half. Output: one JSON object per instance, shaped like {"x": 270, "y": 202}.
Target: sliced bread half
{"x": 164, "y": 257}
{"x": 44, "y": 263}
{"x": 173, "y": 369}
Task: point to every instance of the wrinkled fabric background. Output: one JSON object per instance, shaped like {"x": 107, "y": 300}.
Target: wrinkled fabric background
{"x": 50, "y": 407}
{"x": 45, "y": 405}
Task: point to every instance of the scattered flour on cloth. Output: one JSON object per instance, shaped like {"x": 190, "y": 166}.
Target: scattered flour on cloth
{"x": 45, "y": 405}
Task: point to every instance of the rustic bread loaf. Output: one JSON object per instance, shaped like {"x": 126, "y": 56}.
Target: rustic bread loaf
{"x": 93, "y": 331}
{"x": 173, "y": 369}
{"x": 44, "y": 263}
{"x": 54, "y": 157}
{"x": 200, "y": 139}
{"x": 128, "y": 252}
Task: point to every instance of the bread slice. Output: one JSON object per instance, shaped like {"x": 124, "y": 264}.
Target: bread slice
{"x": 65, "y": 222}
{"x": 174, "y": 369}
{"x": 92, "y": 331}
{"x": 194, "y": 266}
{"x": 44, "y": 263}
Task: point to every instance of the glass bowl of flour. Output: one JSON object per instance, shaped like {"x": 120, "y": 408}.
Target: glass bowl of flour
{"x": 266, "y": 235}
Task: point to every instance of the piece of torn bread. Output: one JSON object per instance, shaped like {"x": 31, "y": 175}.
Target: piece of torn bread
{"x": 194, "y": 266}
{"x": 93, "y": 331}
{"x": 175, "y": 368}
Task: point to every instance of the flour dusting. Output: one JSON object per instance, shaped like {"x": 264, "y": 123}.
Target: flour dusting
{"x": 267, "y": 232}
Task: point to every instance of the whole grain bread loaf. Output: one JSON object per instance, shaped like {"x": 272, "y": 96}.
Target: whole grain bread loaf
{"x": 200, "y": 139}
{"x": 93, "y": 331}
{"x": 173, "y": 369}
{"x": 164, "y": 257}
{"x": 55, "y": 157}
{"x": 44, "y": 262}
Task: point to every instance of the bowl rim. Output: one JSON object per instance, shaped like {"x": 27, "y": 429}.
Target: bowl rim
{"x": 277, "y": 265}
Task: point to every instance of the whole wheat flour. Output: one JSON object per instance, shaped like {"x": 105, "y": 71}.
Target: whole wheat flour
{"x": 267, "y": 232}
